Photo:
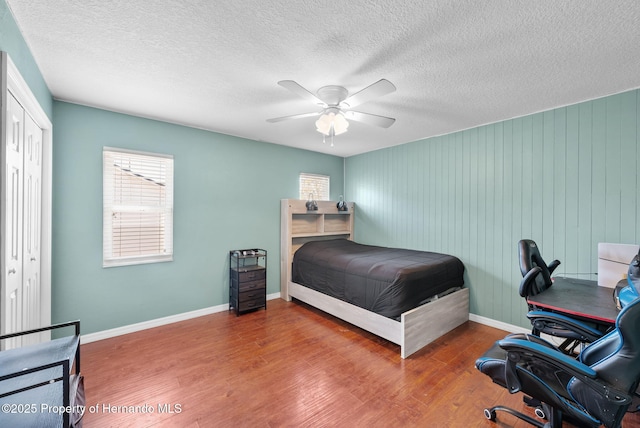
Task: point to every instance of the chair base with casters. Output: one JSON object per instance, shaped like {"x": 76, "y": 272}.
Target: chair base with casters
{"x": 593, "y": 389}
{"x": 495, "y": 363}
{"x": 542, "y": 411}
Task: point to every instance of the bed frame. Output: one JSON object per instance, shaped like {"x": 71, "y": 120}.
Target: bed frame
{"x": 416, "y": 328}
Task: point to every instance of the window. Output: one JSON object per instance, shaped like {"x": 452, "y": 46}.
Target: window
{"x": 315, "y": 184}
{"x": 137, "y": 207}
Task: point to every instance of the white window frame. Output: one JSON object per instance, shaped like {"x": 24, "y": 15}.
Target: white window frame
{"x": 319, "y": 183}
{"x": 155, "y": 170}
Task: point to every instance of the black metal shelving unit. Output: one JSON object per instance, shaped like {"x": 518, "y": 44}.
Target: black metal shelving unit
{"x": 247, "y": 280}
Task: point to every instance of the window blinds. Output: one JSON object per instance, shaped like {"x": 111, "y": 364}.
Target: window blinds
{"x": 315, "y": 184}
{"x": 137, "y": 207}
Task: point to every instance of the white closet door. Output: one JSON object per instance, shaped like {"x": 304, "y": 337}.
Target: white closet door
{"x": 12, "y": 306}
{"x": 25, "y": 209}
{"x": 32, "y": 227}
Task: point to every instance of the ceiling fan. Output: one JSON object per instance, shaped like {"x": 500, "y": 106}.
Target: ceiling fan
{"x": 336, "y": 104}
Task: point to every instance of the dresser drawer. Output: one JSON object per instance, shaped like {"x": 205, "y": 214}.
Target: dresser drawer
{"x": 246, "y": 305}
{"x": 251, "y": 295}
{"x": 253, "y": 285}
{"x": 249, "y": 274}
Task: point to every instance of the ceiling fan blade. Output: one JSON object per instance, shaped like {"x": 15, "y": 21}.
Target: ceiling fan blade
{"x": 375, "y": 90}
{"x": 295, "y": 116}
{"x": 302, "y": 92}
{"x": 370, "y": 119}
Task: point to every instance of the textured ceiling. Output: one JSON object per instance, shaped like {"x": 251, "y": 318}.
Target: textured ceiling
{"x": 215, "y": 65}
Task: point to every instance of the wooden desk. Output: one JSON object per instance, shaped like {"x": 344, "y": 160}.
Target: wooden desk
{"x": 578, "y": 297}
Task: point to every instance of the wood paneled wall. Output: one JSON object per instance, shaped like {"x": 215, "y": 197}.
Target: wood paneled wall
{"x": 567, "y": 178}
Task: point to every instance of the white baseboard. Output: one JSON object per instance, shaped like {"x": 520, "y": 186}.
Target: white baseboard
{"x": 498, "y": 324}
{"x": 131, "y": 328}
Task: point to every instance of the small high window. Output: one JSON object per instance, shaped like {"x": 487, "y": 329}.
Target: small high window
{"x": 315, "y": 184}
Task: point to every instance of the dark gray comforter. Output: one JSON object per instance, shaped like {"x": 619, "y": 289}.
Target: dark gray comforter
{"x": 388, "y": 281}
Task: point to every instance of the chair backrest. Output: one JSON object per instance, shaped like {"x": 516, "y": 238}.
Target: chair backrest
{"x": 633, "y": 274}
{"x": 616, "y": 359}
{"x": 529, "y": 257}
{"x": 631, "y": 291}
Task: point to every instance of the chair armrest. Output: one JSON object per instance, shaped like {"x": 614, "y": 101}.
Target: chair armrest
{"x": 518, "y": 348}
{"x": 587, "y": 332}
{"x": 553, "y": 265}
{"x": 551, "y": 356}
{"x": 527, "y": 280}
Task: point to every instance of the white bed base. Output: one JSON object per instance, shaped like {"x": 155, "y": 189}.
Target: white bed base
{"x": 416, "y": 328}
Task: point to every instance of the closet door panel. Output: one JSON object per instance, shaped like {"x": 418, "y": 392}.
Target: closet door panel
{"x": 31, "y": 289}
{"x": 12, "y": 306}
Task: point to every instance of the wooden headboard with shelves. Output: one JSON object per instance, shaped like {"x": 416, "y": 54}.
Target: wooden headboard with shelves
{"x": 298, "y": 226}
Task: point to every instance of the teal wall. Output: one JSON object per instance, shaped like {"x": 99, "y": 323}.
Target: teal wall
{"x": 227, "y": 196}
{"x": 12, "y": 42}
{"x": 227, "y": 193}
{"x": 567, "y": 178}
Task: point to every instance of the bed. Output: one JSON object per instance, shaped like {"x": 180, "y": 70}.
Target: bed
{"x": 387, "y": 281}
{"x": 407, "y": 297}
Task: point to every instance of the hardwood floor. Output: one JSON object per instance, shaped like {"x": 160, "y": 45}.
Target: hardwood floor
{"x": 293, "y": 366}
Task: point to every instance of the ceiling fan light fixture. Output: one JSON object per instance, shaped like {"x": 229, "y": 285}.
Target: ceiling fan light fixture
{"x": 331, "y": 124}
{"x": 336, "y": 103}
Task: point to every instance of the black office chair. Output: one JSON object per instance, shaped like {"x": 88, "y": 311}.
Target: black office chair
{"x": 536, "y": 279}
{"x": 529, "y": 257}
{"x": 594, "y": 389}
